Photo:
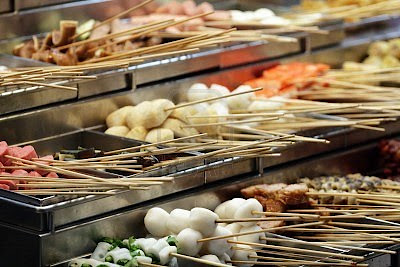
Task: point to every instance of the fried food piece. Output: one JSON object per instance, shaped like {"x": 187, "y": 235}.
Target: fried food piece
{"x": 271, "y": 205}
{"x": 293, "y": 194}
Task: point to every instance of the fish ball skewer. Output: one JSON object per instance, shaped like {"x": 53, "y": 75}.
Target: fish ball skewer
{"x": 117, "y": 118}
{"x": 203, "y": 220}
{"x": 138, "y": 133}
{"x": 232, "y": 206}
{"x": 178, "y": 128}
{"x": 244, "y": 255}
{"x": 159, "y": 135}
{"x": 149, "y": 114}
{"x": 220, "y": 246}
{"x": 247, "y": 211}
{"x": 240, "y": 101}
{"x": 118, "y": 131}
{"x": 178, "y": 220}
{"x": 155, "y": 222}
{"x": 253, "y": 238}
{"x": 187, "y": 242}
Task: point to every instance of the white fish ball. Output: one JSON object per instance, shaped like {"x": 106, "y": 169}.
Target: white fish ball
{"x": 184, "y": 112}
{"x": 232, "y": 206}
{"x": 178, "y": 220}
{"x": 222, "y": 90}
{"x": 211, "y": 258}
{"x": 155, "y": 222}
{"x": 203, "y": 220}
{"x": 240, "y": 101}
{"x": 178, "y": 127}
{"x": 187, "y": 242}
{"x": 149, "y": 114}
{"x": 138, "y": 133}
{"x": 219, "y": 246}
{"x": 220, "y": 210}
{"x": 263, "y": 13}
{"x": 244, "y": 255}
{"x": 117, "y": 130}
{"x": 117, "y": 118}
{"x": 253, "y": 238}
{"x": 197, "y": 91}
{"x": 159, "y": 135}
{"x": 246, "y": 211}
{"x": 234, "y": 227}
{"x": 145, "y": 243}
{"x": 101, "y": 250}
{"x": 157, "y": 247}
{"x": 144, "y": 259}
{"x": 165, "y": 254}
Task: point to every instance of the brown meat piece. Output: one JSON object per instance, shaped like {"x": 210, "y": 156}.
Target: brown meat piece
{"x": 68, "y": 59}
{"x": 271, "y": 205}
{"x": 44, "y": 56}
{"x": 25, "y": 50}
{"x": 269, "y": 191}
{"x": 101, "y": 31}
{"x": 294, "y": 194}
{"x": 67, "y": 30}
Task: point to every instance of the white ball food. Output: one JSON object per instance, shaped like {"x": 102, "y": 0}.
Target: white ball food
{"x": 220, "y": 210}
{"x": 119, "y": 254}
{"x": 232, "y": 206}
{"x": 157, "y": 247}
{"x": 264, "y": 105}
{"x": 144, "y": 259}
{"x": 275, "y": 20}
{"x": 138, "y": 133}
{"x": 246, "y": 211}
{"x": 155, "y": 222}
{"x": 118, "y": 131}
{"x": 234, "y": 227}
{"x": 101, "y": 250}
{"x": 149, "y": 114}
{"x": 219, "y": 246}
{"x": 244, "y": 255}
{"x": 263, "y": 13}
{"x": 117, "y": 118}
{"x": 253, "y": 238}
{"x": 211, "y": 258}
{"x": 159, "y": 135}
{"x": 178, "y": 220}
{"x": 187, "y": 242}
{"x": 178, "y": 127}
{"x": 165, "y": 254}
{"x": 184, "y": 112}
{"x": 198, "y": 91}
{"x": 222, "y": 90}
{"x": 145, "y": 243}
{"x": 238, "y": 15}
{"x": 226, "y": 258}
{"x": 203, "y": 220}
{"x": 240, "y": 101}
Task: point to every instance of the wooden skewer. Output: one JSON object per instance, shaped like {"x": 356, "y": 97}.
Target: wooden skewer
{"x": 299, "y": 250}
{"x": 244, "y": 115}
{"x": 229, "y": 122}
{"x": 149, "y": 264}
{"x": 287, "y": 214}
{"x": 286, "y": 263}
{"x": 264, "y": 219}
{"x": 319, "y": 244}
{"x": 207, "y": 262}
{"x": 154, "y": 144}
{"x": 369, "y": 226}
{"x": 123, "y": 13}
{"x": 212, "y": 99}
{"x": 260, "y": 231}
{"x": 50, "y": 85}
{"x": 41, "y": 193}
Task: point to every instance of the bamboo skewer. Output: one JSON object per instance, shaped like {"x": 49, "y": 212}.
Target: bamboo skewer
{"x": 299, "y": 250}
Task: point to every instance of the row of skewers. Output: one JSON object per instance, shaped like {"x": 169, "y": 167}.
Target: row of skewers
{"x": 235, "y": 232}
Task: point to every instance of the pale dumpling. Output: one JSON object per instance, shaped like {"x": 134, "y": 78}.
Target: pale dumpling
{"x": 159, "y": 135}
{"x": 117, "y": 118}
{"x": 138, "y": 133}
{"x": 118, "y": 130}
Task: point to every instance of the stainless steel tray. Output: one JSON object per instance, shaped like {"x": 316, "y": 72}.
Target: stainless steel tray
{"x": 47, "y": 213}
{"x": 74, "y": 241}
{"x": 21, "y": 99}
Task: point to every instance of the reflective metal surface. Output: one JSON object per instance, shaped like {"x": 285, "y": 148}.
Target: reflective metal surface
{"x": 81, "y": 239}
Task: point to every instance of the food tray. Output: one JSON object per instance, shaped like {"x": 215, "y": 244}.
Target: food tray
{"x": 62, "y": 245}
{"x": 47, "y": 213}
{"x": 20, "y": 99}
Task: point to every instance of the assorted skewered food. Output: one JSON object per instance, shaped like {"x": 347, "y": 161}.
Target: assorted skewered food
{"x": 389, "y": 151}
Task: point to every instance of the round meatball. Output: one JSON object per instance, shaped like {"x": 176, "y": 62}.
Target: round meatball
{"x": 155, "y": 222}
{"x": 187, "y": 242}
{"x": 178, "y": 220}
{"x": 203, "y": 220}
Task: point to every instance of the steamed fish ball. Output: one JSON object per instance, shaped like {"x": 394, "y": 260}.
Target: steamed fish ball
{"x": 178, "y": 127}
{"x": 144, "y": 259}
{"x": 390, "y": 62}
{"x": 263, "y": 13}
{"x": 119, "y": 256}
{"x": 117, "y": 130}
{"x": 178, "y": 220}
{"x": 373, "y": 60}
{"x": 394, "y": 47}
{"x": 234, "y": 227}
{"x": 165, "y": 253}
{"x": 222, "y": 90}
{"x": 187, "y": 242}
{"x": 246, "y": 211}
{"x": 276, "y": 20}
{"x": 203, "y": 220}
{"x": 219, "y": 246}
{"x": 183, "y": 112}
{"x": 240, "y": 101}
{"x": 101, "y": 250}
{"x": 117, "y": 118}
{"x": 232, "y": 206}
{"x": 197, "y": 91}
{"x": 379, "y": 49}
{"x": 138, "y": 133}
{"x": 159, "y": 107}
{"x": 254, "y": 238}
{"x": 211, "y": 258}
{"x": 159, "y": 135}
{"x": 238, "y": 15}
{"x": 155, "y": 222}
{"x": 225, "y": 259}
{"x": 259, "y": 105}
{"x": 140, "y": 115}
{"x": 244, "y": 255}
{"x": 220, "y": 210}
{"x": 200, "y": 107}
